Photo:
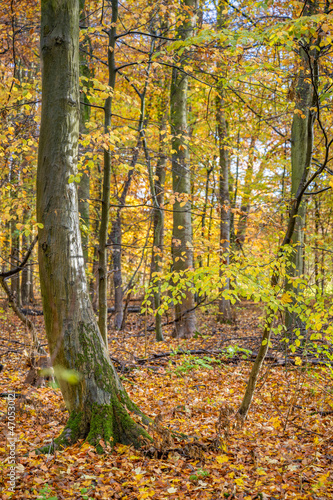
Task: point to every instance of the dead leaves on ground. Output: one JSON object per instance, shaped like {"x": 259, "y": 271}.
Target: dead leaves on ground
{"x": 283, "y": 450}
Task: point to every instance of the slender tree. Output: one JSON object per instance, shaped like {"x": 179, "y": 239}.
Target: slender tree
{"x": 301, "y": 155}
{"x": 84, "y": 186}
{"x": 103, "y": 231}
{"x": 182, "y": 251}
{"x": 222, "y": 135}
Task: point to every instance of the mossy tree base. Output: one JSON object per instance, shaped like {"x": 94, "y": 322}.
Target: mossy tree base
{"x": 102, "y": 426}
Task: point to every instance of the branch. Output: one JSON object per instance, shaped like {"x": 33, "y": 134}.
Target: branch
{"x": 26, "y": 321}
{"x": 254, "y": 112}
{"x": 22, "y": 264}
{"x": 320, "y": 191}
{"x": 146, "y": 34}
{"x": 92, "y": 105}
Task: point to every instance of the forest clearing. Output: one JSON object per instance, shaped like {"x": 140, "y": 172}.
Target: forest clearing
{"x": 166, "y": 249}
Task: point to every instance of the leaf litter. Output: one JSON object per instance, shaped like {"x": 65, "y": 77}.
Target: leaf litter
{"x": 191, "y": 389}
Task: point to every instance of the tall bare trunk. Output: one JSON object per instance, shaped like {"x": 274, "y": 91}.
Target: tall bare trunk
{"x": 14, "y": 260}
{"x": 115, "y": 238}
{"x": 158, "y": 213}
{"x": 103, "y": 231}
{"x": 222, "y": 132}
{"x": 302, "y": 139}
{"x": 301, "y": 155}
{"x": 246, "y": 199}
{"x": 25, "y": 282}
{"x": 84, "y": 186}
{"x": 182, "y": 251}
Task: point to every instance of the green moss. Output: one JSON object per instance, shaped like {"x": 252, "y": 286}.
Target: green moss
{"x": 112, "y": 424}
{"x": 126, "y": 430}
{"x": 101, "y": 426}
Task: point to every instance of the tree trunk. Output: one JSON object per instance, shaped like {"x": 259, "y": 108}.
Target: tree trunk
{"x": 308, "y": 115}
{"x": 301, "y": 155}
{"x": 25, "y": 282}
{"x": 224, "y": 304}
{"x": 115, "y": 238}
{"x": 14, "y": 260}
{"x": 96, "y": 400}
{"x": 103, "y": 232}
{"x": 84, "y": 186}
{"x": 182, "y": 249}
{"x": 245, "y": 206}
{"x": 158, "y": 221}
{"x": 157, "y": 191}
{"x": 116, "y": 230}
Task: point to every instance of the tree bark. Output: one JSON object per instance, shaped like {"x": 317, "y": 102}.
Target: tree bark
{"x": 14, "y": 260}
{"x": 222, "y": 132}
{"x": 301, "y": 155}
{"x": 158, "y": 221}
{"x": 308, "y": 115}
{"x": 85, "y": 111}
{"x": 116, "y": 241}
{"x": 25, "y": 282}
{"x": 103, "y": 232}
{"x": 245, "y": 205}
{"x": 182, "y": 249}
{"x": 156, "y": 184}
{"x": 96, "y": 401}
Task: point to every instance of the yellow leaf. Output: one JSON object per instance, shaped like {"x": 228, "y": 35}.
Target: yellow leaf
{"x": 222, "y": 459}
{"x": 285, "y": 298}
{"x": 261, "y": 472}
{"x": 298, "y": 361}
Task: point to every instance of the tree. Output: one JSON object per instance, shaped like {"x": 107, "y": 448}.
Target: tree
{"x": 157, "y": 189}
{"x": 97, "y": 400}
{"x": 301, "y": 154}
{"x": 84, "y": 186}
{"x": 222, "y": 134}
{"x": 182, "y": 251}
{"x": 103, "y": 230}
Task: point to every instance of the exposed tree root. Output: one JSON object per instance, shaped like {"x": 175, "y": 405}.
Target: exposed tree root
{"x": 101, "y": 426}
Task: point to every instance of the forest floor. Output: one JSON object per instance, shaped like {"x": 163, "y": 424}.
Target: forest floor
{"x": 283, "y": 451}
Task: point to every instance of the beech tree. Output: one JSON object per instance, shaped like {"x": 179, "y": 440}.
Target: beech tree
{"x": 222, "y": 135}
{"x": 301, "y": 152}
{"x": 182, "y": 251}
{"x": 97, "y": 401}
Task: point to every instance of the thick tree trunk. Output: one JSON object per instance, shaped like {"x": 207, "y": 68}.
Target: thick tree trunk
{"x": 182, "y": 250}
{"x": 96, "y": 401}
